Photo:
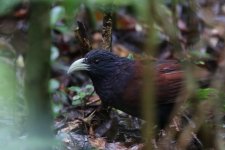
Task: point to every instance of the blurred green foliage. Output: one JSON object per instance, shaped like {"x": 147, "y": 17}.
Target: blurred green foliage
{"x": 57, "y": 13}
{"x": 130, "y": 56}
{"x": 70, "y": 8}
{"x": 53, "y": 88}
{"x": 53, "y": 85}
{"x": 199, "y": 54}
{"x": 7, "y": 5}
{"x": 9, "y": 114}
{"x": 54, "y": 53}
{"x": 204, "y": 94}
{"x": 81, "y": 93}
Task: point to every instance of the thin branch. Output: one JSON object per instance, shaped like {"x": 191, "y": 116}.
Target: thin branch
{"x": 107, "y": 31}
{"x": 81, "y": 34}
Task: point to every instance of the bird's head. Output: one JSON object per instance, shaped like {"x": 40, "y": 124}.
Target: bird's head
{"x": 98, "y": 64}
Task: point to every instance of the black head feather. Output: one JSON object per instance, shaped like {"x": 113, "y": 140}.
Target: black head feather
{"x": 103, "y": 64}
{"x": 109, "y": 74}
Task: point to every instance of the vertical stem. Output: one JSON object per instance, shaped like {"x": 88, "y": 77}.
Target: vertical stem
{"x": 148, "y": 100}
{"x": 37, "y": 71}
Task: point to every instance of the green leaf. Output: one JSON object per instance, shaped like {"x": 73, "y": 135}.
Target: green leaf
{"x": 203, "y": 94}
{"x": 70, "y": 6}
{"x": 82, "y": 95}
{"x": 77, "y": 102}
{"x": 130, "y": 56}
{"x": 7, "y": 5}
{"x": 57, "y": 13}
{"x": 56, "y": 108}
{"x": 200, "y": 54}
{"x": 75, "y": 89}
{"x": 63, "y": 29}
{"x": 53, "y": 85}
{"x": 79, "y": 98}
{"x": 76, "y": 97}
{"x": 89, "y": 87}
{"x": 54, "y": 53}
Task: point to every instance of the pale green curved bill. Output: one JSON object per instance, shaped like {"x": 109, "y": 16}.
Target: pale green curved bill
{"x": 78, "y": 65}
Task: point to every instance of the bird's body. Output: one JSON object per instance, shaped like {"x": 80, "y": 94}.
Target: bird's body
{"x": 119, "y": 81}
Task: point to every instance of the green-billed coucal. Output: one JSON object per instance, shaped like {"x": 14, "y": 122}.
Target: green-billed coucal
{"x": 118, "y": 82}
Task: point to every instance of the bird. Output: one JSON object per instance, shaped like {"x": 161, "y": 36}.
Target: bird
{"x": 118, "y": 81}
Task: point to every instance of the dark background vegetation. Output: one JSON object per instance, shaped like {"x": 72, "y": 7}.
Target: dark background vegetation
{"x": 41, "y": 107}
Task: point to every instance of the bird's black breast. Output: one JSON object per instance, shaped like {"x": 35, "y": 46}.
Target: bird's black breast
{"x": 111, "y": 88}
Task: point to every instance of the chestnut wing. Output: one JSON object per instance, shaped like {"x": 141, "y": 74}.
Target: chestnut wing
{"x": 169, "y": 81}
